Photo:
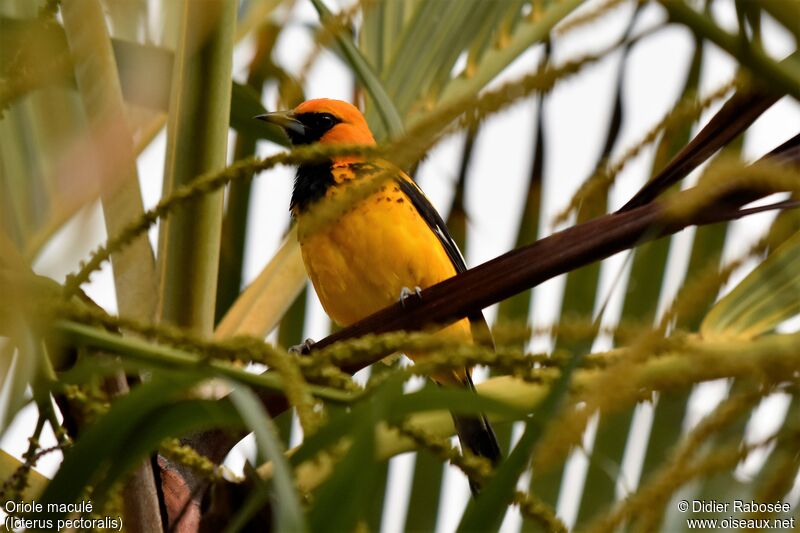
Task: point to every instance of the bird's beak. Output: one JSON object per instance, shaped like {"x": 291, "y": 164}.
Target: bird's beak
{"x": 286, "y": 120}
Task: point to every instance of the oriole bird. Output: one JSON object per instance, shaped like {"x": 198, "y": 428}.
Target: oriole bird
{"x": 389, "y": 244}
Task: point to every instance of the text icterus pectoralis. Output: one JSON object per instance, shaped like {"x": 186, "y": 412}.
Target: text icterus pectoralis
{"x": 387, "y": 244}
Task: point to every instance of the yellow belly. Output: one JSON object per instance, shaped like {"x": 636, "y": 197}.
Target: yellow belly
{"x": 361, "y": 263}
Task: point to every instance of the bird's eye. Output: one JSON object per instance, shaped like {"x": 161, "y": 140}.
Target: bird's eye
{"x": 326, "y": 121}
{"x": 315, "y": 125}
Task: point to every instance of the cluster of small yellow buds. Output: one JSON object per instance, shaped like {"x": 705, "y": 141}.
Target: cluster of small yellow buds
{"x": 173, "y": 450}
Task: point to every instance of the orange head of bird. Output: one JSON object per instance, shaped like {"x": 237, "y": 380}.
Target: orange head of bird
{"x": 324, "y": 121}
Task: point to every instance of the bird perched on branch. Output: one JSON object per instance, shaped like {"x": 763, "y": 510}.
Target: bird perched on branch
{"x": 389, "y": 245}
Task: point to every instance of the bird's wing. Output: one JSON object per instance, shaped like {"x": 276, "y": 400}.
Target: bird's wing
{"x": 433, "y": 220}
{"x": 439, "y": 228}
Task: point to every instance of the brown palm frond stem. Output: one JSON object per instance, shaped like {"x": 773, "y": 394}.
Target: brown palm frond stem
{"x": 557, "y": 254}
{"x": 738, "y": 113}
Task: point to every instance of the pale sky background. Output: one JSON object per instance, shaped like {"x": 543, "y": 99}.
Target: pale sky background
{"x": 498, "y": 177}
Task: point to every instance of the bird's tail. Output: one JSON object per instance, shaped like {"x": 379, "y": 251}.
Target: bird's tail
{"x": 477, "y": 435}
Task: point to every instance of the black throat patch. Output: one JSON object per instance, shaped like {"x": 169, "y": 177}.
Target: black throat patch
{"x": 311, "y": 183}
{"x": 312, "y": 180}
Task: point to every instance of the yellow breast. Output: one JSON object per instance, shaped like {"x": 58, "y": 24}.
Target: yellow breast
{"x": 361, "y": 262}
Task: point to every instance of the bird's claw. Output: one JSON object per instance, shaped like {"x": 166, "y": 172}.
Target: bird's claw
{"x": 304, "y": 348}
{"x": 406, "y": 293}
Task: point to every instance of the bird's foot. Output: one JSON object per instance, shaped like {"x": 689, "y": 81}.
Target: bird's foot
{"x": 406, "y": 293}
{"x": 304, "y": 348}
